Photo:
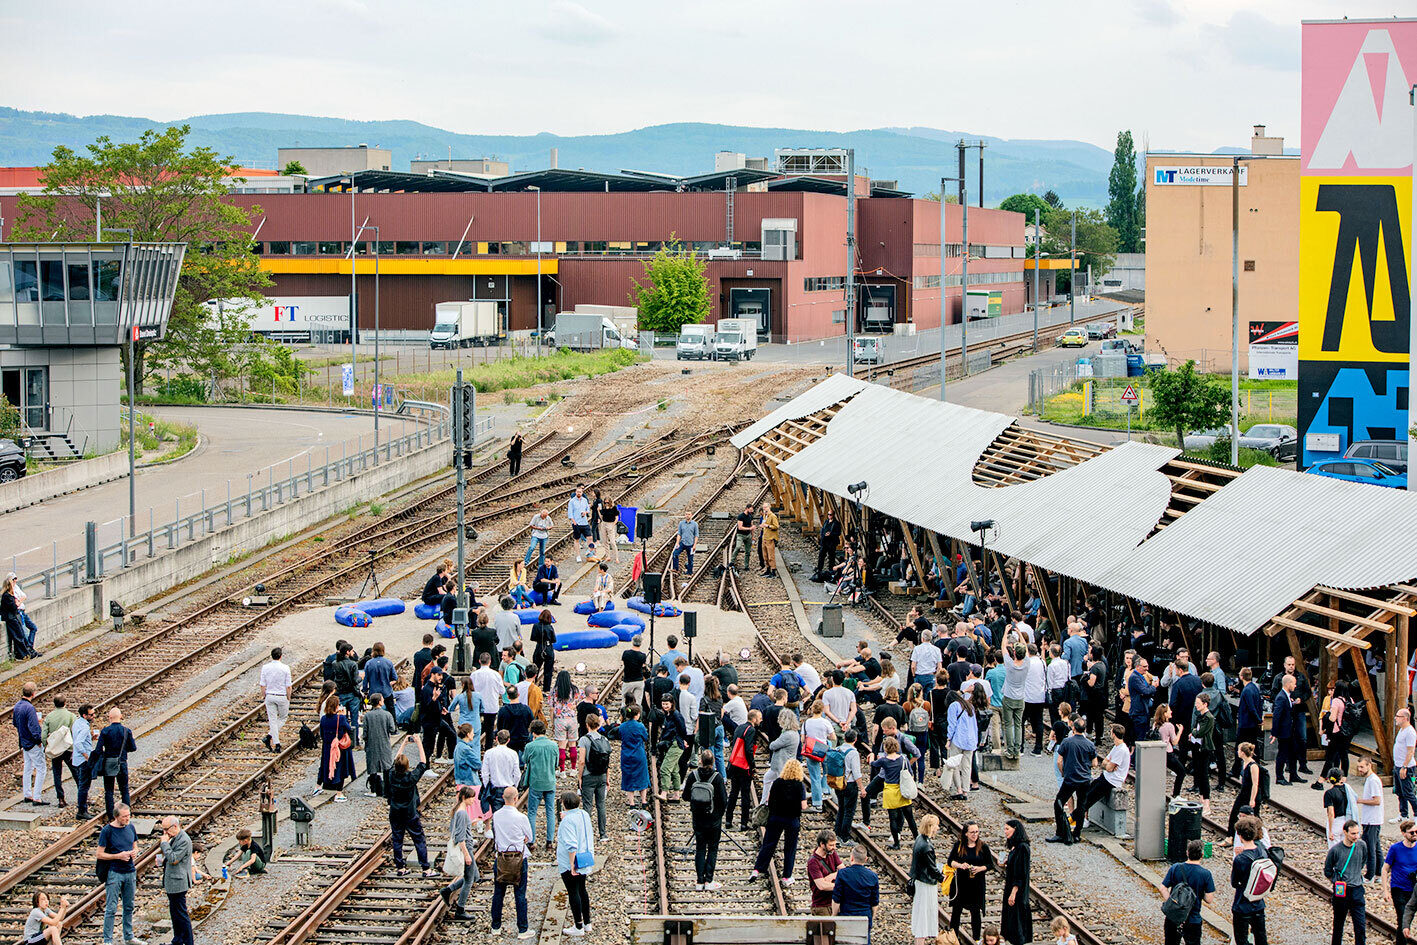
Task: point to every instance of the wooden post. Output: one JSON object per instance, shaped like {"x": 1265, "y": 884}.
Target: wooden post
{"x": 1389, "y": 713}
{"x": 914, "y": 551}
{"x": 1045, "y": 590}
{"x": 973, "y": 576}
{"x": 947, "y": 571}
{"x": 1405, "y": 693}
{"x": 999, "y": 565}
{"x": 1381, "y": 733}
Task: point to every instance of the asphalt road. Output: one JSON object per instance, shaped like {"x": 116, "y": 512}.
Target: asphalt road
{"x": 235, "y": 442}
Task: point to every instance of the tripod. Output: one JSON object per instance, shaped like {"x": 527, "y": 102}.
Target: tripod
{"x": 371, "y": 578}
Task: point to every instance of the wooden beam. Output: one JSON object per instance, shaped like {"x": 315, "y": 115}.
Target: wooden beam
{"x": 1385, "y": 721}
{"x": 1291, "y": 625}
{"x": 1402, "y": 644}
{"x": 1196, "y": 483}
{"x": 973, "y": 575}
{"x": 1368, "y": 622}
{"x": 1372, "y": 602}
{"x": 1381, "y": 734}
{"x": 1009, "y": 597}
{"x": 1045, "y": 591}
{"x": 1201, "y": 467}
{"x": 1404, "y": 588}
{"x": 914, "y": 551}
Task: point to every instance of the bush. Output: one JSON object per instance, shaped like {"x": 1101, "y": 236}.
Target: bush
{"x": 9, "y": 419}
{"x": 1219, "y": 452}
{"x": 183, "y": 387}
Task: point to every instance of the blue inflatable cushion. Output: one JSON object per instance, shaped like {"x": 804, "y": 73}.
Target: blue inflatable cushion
{"x": 531, "y": 615}
{"x": 609, "y": 618}
{"x": 587, "y": 607}
{"x": 427, "y": 611}
{"x": 349, "y": 616}
{"x": 382, "y": 607}
{"x": 443, "y": 630}
{"x": 594, "y": 639}
{"x": 626, "y": 632}
{"x": 660, "y": 610}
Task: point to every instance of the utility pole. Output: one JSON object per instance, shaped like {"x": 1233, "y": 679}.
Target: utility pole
{"x": 850, "y": 262}
{"x": 944, "y": 304}
{"x": 981, "y": 175}
{"x": 1037, "y": 246}
{"x": 964, "y": 283}
{"x": 462, "y": 402}
{"x": 1235, "y": 312}
{"x": 1072, "y": 270}
{"x": 539, "y": 328}
{"x": 960, "y": 179}
{"x": 353, "y": 295}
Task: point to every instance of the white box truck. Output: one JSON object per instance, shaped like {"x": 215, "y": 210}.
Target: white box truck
{"x": 625, "y": 317}
{"x": 459, "y": 324}
{"x": 735, "y": 339}
{"x": 695, "y": 343}
{"x": 585, "y": 332}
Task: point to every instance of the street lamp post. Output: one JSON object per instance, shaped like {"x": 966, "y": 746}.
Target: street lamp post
{"x": 1235, "y": 303}
{"x": 377, "y": 401}
{"x": 132, "y": 406}
{"x": 539, "y": 306}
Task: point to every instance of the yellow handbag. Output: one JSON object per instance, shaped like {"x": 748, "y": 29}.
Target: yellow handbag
{"x": 947, "y": 884}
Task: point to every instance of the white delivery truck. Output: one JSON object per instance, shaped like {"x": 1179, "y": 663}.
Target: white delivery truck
{"x": 736, "y": 339}
{"x": 625, "y": 317}
{"x": 459, "y": 324}
{"x": 695, "y": 342}
{"x": 584, "y": 332}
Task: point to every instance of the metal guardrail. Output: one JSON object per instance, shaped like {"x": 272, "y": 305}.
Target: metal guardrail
{"x": 100, "y": 559}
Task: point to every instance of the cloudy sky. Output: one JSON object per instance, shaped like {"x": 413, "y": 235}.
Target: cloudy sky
{"x": 1191, "y": 74}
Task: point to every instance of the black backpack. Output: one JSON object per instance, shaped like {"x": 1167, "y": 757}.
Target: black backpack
{"x": 1348, "y": 725}
{"x": 701, "y": 791}
{"x": 597, "y": 759}
{"x": 1263, "y": 794}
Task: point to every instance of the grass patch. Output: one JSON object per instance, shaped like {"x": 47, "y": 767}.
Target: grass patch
{"x": 153, "y": 434}
{"x": 517, "y": 373}
{"x": 376, "y": 508}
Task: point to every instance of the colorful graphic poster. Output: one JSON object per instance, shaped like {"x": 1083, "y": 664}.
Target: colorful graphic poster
{"x": 1355, "y": 232}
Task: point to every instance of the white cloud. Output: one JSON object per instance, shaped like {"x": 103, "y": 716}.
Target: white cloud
{"x": 569, "y": 22}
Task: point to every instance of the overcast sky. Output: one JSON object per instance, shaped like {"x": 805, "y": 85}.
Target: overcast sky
{"x": 1189, "y": 74}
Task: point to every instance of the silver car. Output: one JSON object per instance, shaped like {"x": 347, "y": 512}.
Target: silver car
{"x": 1276, "y": 439}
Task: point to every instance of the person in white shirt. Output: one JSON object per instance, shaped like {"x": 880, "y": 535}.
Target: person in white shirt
{"x": 511, "y": 833}
{"x": 1370, "y": 815}
{"x": 1059, "y": 673}
{"x": 275, "y": 689}
{"x": 840, "y": 702}
{"x": 809, "y": 674}
{"x": 488, "y": 685}
{"x": 1404, "y": 759}
{"x": 1114, "y": 774}
{"x": 735, "y": 709}
{"x": 925, "y": 660}
{"x": 1023, "y": 629}
{"x": 1035, "y": 695}
{"x": 501, "y": 769}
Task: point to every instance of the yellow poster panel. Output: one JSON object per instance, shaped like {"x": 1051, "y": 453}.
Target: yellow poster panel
{"x": 1354, "y": 278}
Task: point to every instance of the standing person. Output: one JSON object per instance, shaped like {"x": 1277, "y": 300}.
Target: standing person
{"x": 1141, "y": 688}
{"x": 460, "y": 830}
{"x": 592, "y": 770}
{"x": 57, "y": 733}
{"x": 769, "y": 529}
{"x": 742, "y": 764}
{"x": 634, "y": 757}
{"x": 540, "y": 761}
{"x": 743, "y": 538}
{"x": 1331, "y": 725}
{"x": 1344, "y": 868}
{"x": 575, "y": 855}
{"x": 565, "y": 699}
{"x": 1250, "y": 715}
{"x": 608, "y": 514}
{"x": 857, "y": 889}
{"x": 487, "y": 683}
{"x": 179, "y": 874}
{"x": 511, "y": 836}
{"x": 110, "y": 755}
{"x": 1016, "y": 920}
{"x": 822, "y": 867}
{"x": 578, "y": 511}
{"x": 514, "y": 455}
{"x": 850, "y": 786}
{"x": 434, "y": 705}
{"x": 1202, "y": 747}
{"x": 603, "y": 591}
{"x": 543, "y": 654}
{"x": 515, "y": 718}
{"x": 508, "y": 626}
{"x": 925, "y": 872}
{"x": 336, "y": 760}
{"x": 962, "y": 719}
{"x": 816, "y": 732}
{"x": 346, "y": 678}
{"x": 1337, "y": 808}
{"x": 540, "y": 526}
{"x": 828, "y": 538}
{"x": 1202, "y": 883}
{"x": 21, "y": 647}
{"x": 379, "y": 732}
{"x": 117, "y": 843}
{"x": 1370, "y": 816}
{"x": 1283, "y": 731}
{"x": 673, "y": 742}
{"x": 786, "y": 801}
{"x": 1404, "y": 759}
{"x": 83, "y": 765}
{"x": 467, "y": 758}
{"x": 1015, "y": 674}
{"x": 632, "y": 685}
{"x": 784, "y": 746}
{"x": 708, "y": 800}
{"x": 1399, "y": 867}
{"x": 1224, "y": 716}
{"x": 887, "y": 768}
{"x": 1170, "y": 737}
{"x": 402, "y": 792}
{"x": 972, "y": 860}
{"x": 26, "y": 721}
{"x": 1247, "y": 915}
{"x": 44, "y": 926}
{"x": 925, "y": 661}
{"x": 276, "y": 692}
{"x": 380, "y": 675}
{"x": 1075, "y": 757}
{"x": 687, "y": 537}
{"x": 1251, "y": 781}
{"x": 501, "y": 769}
{"x": 1300, "y": 695}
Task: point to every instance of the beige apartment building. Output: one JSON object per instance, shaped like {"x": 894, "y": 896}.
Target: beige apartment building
{"x": 1188, "y": 250}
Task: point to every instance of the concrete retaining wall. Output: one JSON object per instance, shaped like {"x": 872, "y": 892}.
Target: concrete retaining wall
{"x": 56, "y": 482}
{"x": 146, "y": 577}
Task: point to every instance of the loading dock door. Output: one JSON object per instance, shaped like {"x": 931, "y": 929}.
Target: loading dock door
{"x": 877, "y": 308}
{"x": 752, "y": 303}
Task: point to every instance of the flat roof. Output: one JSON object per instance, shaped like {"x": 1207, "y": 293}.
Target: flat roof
{"x": 567, "y": 180}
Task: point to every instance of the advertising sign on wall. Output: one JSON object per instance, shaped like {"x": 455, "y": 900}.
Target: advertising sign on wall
{"x": 1274, "y": 350}
{"x": 1197, "y": 175}
{"x": 1355, "y": 231}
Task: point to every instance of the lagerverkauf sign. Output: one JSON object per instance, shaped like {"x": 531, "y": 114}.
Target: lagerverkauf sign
{"x": 1197, "y": 175}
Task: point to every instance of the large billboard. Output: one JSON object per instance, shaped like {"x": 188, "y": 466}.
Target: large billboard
{"x": 1355, "y": 232}
{"x": 1274, "y": 350}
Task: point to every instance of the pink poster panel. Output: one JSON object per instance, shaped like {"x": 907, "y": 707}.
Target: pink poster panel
{"x": 1356, "y": 117}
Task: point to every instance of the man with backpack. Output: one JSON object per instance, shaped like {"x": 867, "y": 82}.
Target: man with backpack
{"x": 787, "y": 679}
{"x": 1187, "y": 887}
{"x": 593, "y": 761}
{"x": 742, "y": 766}
{"x": 708, "y": 800}
{"x": 843, "y": 768}
{"x": 1343, "y": 867}
{"x": 1252, "y": 874}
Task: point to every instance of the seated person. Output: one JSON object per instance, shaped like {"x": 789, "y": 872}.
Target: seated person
{"x": 434, "y": 590}
{"x": 404, "y": 701}
{"x": 548, "y": 581}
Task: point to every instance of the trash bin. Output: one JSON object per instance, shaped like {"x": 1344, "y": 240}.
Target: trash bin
{"x": 831, "y": 625}
{"x": 1183, "y": 824}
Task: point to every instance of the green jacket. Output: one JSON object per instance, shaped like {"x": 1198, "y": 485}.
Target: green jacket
{"x": 59, "y": 718}
{"x": 540, "y": 757}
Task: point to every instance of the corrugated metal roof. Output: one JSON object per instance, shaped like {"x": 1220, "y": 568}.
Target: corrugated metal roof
{"x": 1236, "y": 559}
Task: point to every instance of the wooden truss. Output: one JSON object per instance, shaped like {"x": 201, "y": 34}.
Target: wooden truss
{"x": 1022, "y": 455}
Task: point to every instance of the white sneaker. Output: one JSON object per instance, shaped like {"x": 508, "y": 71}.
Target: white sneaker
{"x": 572, "y": 931}
{"x": 578, "y": 559}
{"x": 788, "y": 881}
{"x": 527, "y": 934}
{"x": 712, "y": 887}
{"x": 698, "y": 887}
{"x": 1394, "y": 820}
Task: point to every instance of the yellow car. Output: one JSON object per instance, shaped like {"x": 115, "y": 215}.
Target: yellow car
{"x": 1073, "y": 338}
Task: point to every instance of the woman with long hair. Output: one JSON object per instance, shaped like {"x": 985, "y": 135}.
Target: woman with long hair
{"x": 1248, "y": 797}
{"x": 10, "y": 612}
{"x": 607, "y": 517}
{"x": 926, "y": 874}
{"x": 917, "y": 724}
{"x": 634, "y": 760}
{"x": 1170, "y": 736}
{"x": 787, "y": 799}
{"x": 709, "y": 731}
{"x": 543, "y": 654}
{"x": 962, "y": 726}
{"x": 1336, "y": 752}
{"x": 972, "y": 860}
{"x": 517, "y": 584}
{"x": 565, "y": 698}
{"x": 336, "y": 760}
{"x": 887, "y": 767}
{"x": 1017, "y": 916}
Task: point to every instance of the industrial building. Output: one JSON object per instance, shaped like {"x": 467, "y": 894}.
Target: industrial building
{"x": 322, "y": 162}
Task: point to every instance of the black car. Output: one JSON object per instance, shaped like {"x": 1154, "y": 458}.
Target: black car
{"x": 12, "y": 461}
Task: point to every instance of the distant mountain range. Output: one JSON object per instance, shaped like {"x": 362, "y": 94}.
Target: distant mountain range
{"x": 915, "y": 157}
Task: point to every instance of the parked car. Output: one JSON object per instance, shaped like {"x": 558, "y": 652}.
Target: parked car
{"x": 1073, "y": 338}
{"x": 12, "y": 461}
{"x": 1097, "y": 331}
{"x": 867, "y": 351}
{"x": 1360, "y": 470}
{"x": 1391, "y": 453}
{"x": 1276, "y": 439}
{"x": 1120, "y": 345}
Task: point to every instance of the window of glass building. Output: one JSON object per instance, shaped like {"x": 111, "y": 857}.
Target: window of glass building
{"x": 303, "y": 248}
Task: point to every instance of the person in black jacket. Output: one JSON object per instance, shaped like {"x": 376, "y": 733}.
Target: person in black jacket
{"x": 402, "y": 795}
{"x": 484, "y": 640}
{"x": 514, "y": 455}
{"x": 742, "y": 765}
{"x": 786, "y": 800}
{"x": 433, "y": 708}
{"x": 433, "y": 589}
{"x": 346, "y": 680}
{"x": 925, "y": 872}
{"x": 707, "y": 818}
{"x": 828, "y": 538}
{"x": 14, "y": 618}
{"x": 543, "y": 634}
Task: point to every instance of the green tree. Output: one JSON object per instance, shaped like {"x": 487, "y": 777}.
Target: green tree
{"x": 935, "y": 196}
{"x": 1051, "y": 198}
{"x": 292, "y": 168}
{"x": 675, "y": 290}
{"x": 1184, "y": 400}
{"x": 1122, "y": 194}
{"x": 1096, "y": 241}
{"x": 1141, "y": 218}
{"x": 1026, "y": 204}
{"x": 9, "y": 419}
{"x": 163, "y": 192}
